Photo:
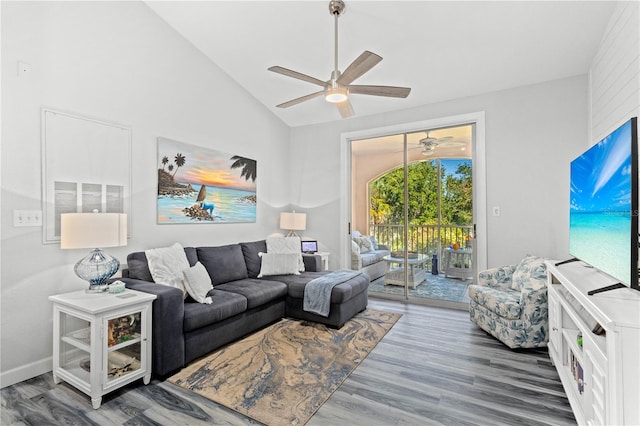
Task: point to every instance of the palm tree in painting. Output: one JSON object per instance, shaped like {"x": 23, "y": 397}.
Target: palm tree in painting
{"x": 171, "y": 167}
{"x": 180, "y": 160}
{"x": 165, "y": 160}
{"x": 249, "y": 167}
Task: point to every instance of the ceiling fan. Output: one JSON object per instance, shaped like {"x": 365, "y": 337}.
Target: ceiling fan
{"x": 429, "y": 144}
{"x": 338, "y": 88}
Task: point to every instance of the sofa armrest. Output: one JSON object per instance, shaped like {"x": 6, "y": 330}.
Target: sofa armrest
{"x": 356, "y": 261}
{"x": 312, "y": 262}
{"x": 499, "y": 278}
{"x": 535, "y": 305}
{"x": 168, "y": 317}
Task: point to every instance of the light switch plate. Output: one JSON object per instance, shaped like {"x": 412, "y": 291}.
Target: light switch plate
{"x": 27, "y": 218}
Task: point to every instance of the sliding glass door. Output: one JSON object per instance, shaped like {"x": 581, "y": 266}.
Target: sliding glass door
{"x": 413, "y": 195}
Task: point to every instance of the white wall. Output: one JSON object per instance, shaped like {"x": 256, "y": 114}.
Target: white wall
{"x": 119, "y": 62}
{"x": 615, "y": 72}
{"x": 532, "y": 133}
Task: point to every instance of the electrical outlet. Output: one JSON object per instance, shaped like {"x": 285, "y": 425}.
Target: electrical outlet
{"x": 23, "y": 68}
{"x": 496, "y": 211}
{"x": 27, "y": 218}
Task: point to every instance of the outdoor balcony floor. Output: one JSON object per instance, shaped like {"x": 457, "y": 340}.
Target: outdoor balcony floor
{"x": 435, "y": 290}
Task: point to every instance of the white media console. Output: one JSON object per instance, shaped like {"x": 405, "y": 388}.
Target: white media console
{"x": 600, "y": 370}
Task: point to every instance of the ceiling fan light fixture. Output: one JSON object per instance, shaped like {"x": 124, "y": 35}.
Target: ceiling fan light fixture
{"x": 337, "y": 89}
{"x": 336, "y": 95}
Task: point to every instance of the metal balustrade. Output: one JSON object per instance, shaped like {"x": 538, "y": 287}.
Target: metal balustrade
{"x": 424, "y": 239}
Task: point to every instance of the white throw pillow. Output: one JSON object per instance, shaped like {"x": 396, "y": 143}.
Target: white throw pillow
{"x": 364, "y": 243}
{"x": 198, "y": 283}
{"x": 278, "y": 264}
{"x": 286, "y": 245}
{"x": 166, "y": 265}
{"x": 355, "y": 248}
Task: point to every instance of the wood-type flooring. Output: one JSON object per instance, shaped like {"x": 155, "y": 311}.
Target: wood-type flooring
{"x": 434, "y": 367}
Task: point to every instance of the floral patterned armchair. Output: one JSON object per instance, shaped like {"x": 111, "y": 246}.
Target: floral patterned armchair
{"x": 510, "y": 303}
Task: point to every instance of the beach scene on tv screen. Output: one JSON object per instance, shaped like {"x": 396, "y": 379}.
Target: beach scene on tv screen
{"x": 600, "y": 218}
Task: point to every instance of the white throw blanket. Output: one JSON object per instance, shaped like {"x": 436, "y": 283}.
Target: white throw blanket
{"x": 317, "y": 292}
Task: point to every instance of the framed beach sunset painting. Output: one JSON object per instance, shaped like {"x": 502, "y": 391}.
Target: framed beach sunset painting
{"x": 201, "y": 185}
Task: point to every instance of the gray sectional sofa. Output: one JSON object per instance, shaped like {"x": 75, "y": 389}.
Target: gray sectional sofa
{"x": 184, "y": 330}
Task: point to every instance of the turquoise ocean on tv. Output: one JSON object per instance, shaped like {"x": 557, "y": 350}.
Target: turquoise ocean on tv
{"x": 231, "y": 205}
{"x": 602, "y": 239}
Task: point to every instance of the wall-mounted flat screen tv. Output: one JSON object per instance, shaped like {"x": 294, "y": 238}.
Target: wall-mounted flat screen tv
{"x": 603, "y": 216}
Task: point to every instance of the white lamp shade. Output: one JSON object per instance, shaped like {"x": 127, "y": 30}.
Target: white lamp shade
{"x": 93, "y": 230}
{"x": 293, "y": 221}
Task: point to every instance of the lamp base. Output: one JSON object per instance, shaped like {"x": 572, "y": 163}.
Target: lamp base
{"x": 101, "y": 288}
{"x": 97, "y": 268}
{"x": 292, "y": 234}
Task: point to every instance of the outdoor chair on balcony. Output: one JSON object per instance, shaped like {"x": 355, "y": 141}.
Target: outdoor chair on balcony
{"x": 510, "y": 303}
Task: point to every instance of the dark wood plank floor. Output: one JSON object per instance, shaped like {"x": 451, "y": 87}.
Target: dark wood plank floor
{"x": 434, "y": 367}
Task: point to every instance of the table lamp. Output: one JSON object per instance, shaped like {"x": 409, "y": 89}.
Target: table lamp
{"x": 93, "y": 230}
{"x": 292, "y": 221}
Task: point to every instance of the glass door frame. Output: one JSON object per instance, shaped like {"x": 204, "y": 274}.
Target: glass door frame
{"x": 476, "y": 119}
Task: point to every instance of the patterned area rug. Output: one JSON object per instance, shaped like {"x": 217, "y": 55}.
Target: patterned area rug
{"x": 435, "y": 287}
{"x": 282, "y": 374}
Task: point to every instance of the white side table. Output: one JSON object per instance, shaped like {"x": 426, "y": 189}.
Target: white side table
{"x": 458, "y": 263}
{"x": 324, "y": 255}
{"x": 101, "y": 341}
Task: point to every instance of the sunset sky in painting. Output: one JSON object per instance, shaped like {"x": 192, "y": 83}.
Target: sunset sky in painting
{"x": 203, "y": 166}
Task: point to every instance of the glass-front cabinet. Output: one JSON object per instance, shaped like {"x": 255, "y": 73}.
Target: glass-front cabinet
{"x": 101, "y": 341}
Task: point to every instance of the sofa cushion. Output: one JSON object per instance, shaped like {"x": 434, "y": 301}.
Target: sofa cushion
{"x": 531, "y": 273}
{"x": 138, "y": 265}
{"x": 223, "y": 263}
{"x": 225, "y": 305}
{"x": 251, "y": 258}
{"x": 340, "y": 293}
{"x": 505, "y": 303}
{"x": 257, "y": 292}
{"x": 373, "y": 257}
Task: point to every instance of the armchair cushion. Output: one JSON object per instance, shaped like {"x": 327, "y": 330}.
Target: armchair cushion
{"x": 505, "y": 303}
{"x": 530, "y": 273}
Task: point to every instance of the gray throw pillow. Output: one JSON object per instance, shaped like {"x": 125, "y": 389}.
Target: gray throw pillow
{"x": 251, "y": 257}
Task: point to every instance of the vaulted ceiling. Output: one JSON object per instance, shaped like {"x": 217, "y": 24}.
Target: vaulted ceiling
{"x": 441, "y": 49}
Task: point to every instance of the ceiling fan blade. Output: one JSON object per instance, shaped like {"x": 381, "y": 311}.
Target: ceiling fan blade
{"x": 361, "y": 65}
{"x": 390, "y": 91}
{"x": 345, "y": 108}
{"x": 298, "y": 75}
{"x": 300, "y": 99}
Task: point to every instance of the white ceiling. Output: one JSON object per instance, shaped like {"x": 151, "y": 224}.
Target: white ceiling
{"x": 441, "y": 49}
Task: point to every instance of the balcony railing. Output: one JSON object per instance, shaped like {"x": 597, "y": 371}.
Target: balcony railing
{"x": 425, "y": 239}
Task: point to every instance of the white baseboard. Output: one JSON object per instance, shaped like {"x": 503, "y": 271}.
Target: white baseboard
{"x": 22, "y": 373}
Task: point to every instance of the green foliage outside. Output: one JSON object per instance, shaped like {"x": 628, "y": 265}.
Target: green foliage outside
{"x": 387, "y": 205}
